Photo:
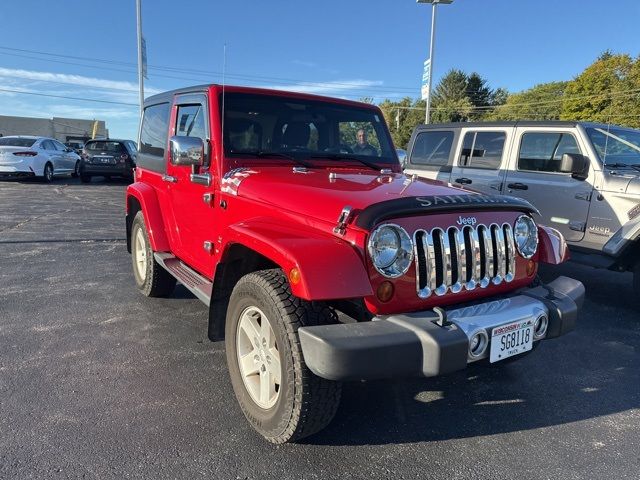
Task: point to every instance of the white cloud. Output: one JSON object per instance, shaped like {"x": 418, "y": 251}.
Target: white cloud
{"x": 79, "y": 80}
{"x": 336, "y": 87}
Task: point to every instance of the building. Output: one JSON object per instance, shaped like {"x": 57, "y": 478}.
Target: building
{"x": 63, "y": 129}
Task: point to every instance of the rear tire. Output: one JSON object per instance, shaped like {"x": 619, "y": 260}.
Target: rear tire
{"x": 636, "y": 282}
{"x": 47, "y": 174}
{"x": 296, "y": 403}
{"x": 151, "y": 279}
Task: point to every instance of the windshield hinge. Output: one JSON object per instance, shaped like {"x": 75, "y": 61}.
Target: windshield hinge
{"x": 341, "y": 227}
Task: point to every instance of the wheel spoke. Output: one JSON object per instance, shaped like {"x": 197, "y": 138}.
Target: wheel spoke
{"x": 267, "y": 387}
{"x": 267, "y": 334}
{"x": 274, "y": 365}
{"x": 248, "y": 364}
{"x": 251, "y": 329}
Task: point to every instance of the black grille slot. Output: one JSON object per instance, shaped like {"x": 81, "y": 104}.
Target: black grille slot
{"x": 468, "y": 253}
{"x": 454, "y": 257}
{"x": 422, "y": 259}
{"x": 437, "y": 246}
{"x": 483, "y": 251}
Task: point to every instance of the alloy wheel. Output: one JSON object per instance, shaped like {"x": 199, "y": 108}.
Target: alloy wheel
{"x": 258, "y": 357}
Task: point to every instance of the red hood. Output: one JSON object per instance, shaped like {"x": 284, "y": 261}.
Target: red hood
{"x": 316, "y": 194}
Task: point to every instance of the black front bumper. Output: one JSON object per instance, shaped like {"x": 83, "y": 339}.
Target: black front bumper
{"x": 416, "y": 344}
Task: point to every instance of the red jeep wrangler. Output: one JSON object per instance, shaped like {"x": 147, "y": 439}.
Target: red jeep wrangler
{"x": 289, "y": 216}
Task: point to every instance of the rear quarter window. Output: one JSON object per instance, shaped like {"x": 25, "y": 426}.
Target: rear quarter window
{"x": 432, "y": 148}
{"x": 154, "y": 136}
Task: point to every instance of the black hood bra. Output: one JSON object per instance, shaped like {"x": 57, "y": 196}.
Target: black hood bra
{"x": 425, "y": 204}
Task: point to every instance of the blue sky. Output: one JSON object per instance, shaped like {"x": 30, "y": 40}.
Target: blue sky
{"x": 348, "y": 48}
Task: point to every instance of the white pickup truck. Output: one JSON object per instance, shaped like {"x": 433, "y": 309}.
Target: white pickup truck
{"x": 583, "y": 177}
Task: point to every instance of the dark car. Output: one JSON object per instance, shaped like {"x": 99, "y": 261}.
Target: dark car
{"x": 76, "y": 146}
{"x": 108, "y": 158}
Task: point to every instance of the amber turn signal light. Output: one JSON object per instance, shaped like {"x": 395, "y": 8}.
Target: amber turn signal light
{"x": 294, "y": 276}
{"x": 385, "y": 291}
{"x": 531, "y": 268}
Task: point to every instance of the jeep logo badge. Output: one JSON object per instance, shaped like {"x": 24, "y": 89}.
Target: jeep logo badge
{"x": 467, "y": 221}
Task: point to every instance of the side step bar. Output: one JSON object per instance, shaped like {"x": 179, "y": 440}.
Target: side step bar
{"x": 200, "y": 286}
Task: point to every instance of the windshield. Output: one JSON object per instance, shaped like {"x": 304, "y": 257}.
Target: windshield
{"x": 616, "y": 146}
{"x": 16, "y": 142}
{"x": 114, "y": 147}
{"x": 303, "y": 129}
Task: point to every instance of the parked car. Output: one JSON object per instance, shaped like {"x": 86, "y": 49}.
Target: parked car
{"x": 108, "y": 158}
{"x": 277, "y": 229}
{"x": 583, "y": 177}
{"x": 42, "y": 157}
{"x": 75, "y": 145}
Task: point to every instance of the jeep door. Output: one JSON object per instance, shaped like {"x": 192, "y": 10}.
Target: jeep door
{"x": 431, "y": 153}
{"x": 533, "y": 174}
{"x": 481, "y": 159}
{"x": 194, "y": 219}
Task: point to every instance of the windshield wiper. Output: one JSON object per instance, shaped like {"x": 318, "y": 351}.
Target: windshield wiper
{"x": 617, "y": 165}
{"x": 342, "y": 156}
{"x": 264, "y": 154}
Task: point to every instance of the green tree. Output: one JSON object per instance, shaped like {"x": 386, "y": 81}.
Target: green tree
{"x": 450, "y": 101}
{"x": 542, "y": 102}
{"x": 597, "y": 93}
{"x": 402, "y": 117}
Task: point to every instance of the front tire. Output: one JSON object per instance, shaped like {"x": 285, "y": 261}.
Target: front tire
{"x": 151, "y": 279}
{"x": 85, "y": 178}
{"x": 280, "y": 397}
{"x": 636, "y": 281}
{"x": 76, "y": 170}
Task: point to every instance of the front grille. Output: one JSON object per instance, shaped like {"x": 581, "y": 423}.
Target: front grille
{"x": 453, "y": 259}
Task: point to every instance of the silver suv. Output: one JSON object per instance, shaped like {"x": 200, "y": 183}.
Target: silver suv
{"x": 583, "y": 177}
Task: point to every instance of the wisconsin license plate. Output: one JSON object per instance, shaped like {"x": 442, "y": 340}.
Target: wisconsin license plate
{"x": 511, "y": 339}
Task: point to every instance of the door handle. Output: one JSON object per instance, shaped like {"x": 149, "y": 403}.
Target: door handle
{"x": 518, "y": 186}
{"x": 464, "y": 181}
{"x": 169, "y": 178}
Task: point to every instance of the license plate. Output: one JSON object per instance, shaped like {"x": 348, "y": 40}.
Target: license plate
{"x": 511, "y": 339}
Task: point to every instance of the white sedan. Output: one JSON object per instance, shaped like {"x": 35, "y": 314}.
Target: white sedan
{"x": 28, "y": 156}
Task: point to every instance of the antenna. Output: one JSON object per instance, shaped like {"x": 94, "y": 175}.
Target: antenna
{"x": 224, "y": 68}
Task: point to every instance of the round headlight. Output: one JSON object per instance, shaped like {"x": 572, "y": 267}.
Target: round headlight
{"x": 525, "y": 235}
{"x": 391, "y": 250}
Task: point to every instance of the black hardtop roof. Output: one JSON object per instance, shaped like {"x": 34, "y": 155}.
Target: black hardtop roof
{"x": 520, "y": 123}
{"x": 168, "y": 95}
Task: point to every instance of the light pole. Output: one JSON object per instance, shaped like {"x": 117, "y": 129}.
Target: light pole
{"x": 434, "y": 8}
{"x": 141, "y": 54}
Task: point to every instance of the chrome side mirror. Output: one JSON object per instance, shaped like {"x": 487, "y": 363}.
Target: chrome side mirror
{"x": 186, "y": 151}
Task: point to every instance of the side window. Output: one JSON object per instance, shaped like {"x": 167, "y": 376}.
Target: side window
{"x": 153, "y": 134}
{"x": 432, "y": 148}
{"x": 482, "y": 150}
{"x": 190, "y": 121}
{"x": 48, "y": 145}
{"x": 59, "y": 146}
{"x": 542, "y": 152}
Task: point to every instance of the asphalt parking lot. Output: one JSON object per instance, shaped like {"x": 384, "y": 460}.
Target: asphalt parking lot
{"x": 97, "y": 381}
